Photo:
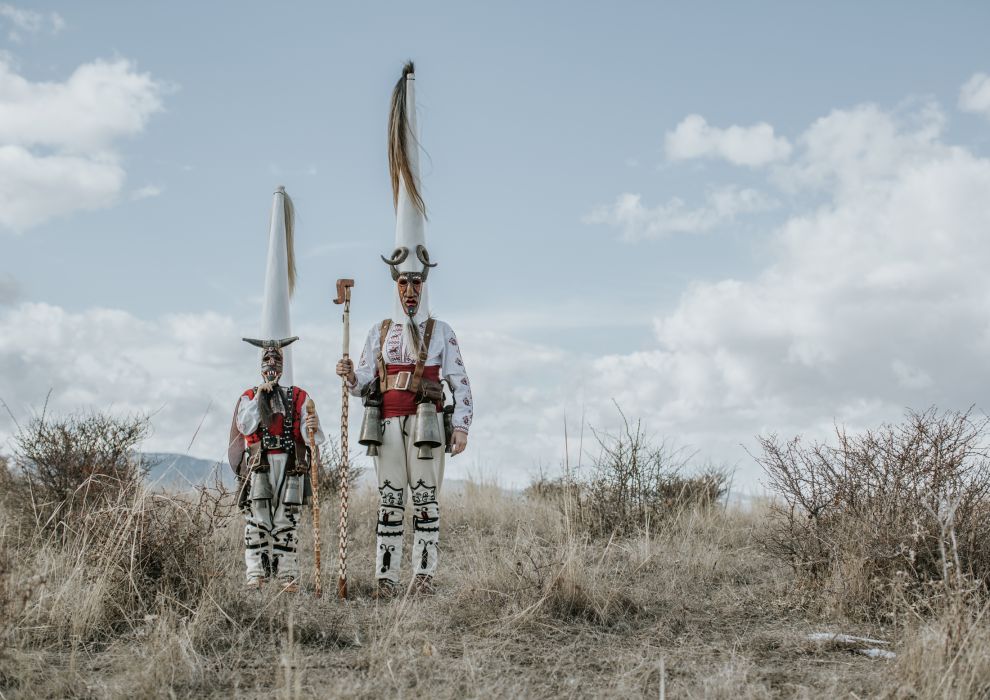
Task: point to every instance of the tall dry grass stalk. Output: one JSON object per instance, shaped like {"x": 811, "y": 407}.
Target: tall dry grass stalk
{"x": 948, "y": 656}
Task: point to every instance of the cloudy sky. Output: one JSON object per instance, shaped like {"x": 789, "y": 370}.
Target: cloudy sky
{"x": 728, "y": 221}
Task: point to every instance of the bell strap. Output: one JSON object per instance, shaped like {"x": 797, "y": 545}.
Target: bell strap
{"x": 423, "y": 354}
{"x": 380, "y": 360}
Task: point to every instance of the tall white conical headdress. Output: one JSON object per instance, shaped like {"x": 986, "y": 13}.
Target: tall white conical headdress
{"x": 280, "y": 282}
{"x": 410, "y": 254}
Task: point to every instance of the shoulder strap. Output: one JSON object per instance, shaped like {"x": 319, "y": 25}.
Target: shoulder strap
{"x": 380, "y": 360}
{"x": 290, "y": 416}
{"x": 424, "y": 353}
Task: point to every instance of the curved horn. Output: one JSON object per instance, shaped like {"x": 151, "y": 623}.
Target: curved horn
{"x": 254, "y": 342}
{"x": 424, "y": 256}
{"x": 287, "y": 341}
{"x": 398, "y": 256}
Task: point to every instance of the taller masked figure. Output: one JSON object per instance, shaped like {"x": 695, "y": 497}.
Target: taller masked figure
{"x": 270, "y": 433}
{"x": 405, "y": 360}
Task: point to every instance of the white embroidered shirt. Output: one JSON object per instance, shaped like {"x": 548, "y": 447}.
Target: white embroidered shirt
{"x": 444, "y": 352}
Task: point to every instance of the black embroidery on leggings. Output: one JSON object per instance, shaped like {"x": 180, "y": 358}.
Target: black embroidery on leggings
{"x": 424, "y": 559}
{"x": 390, "y": 496}
{"x": 424, "y": 522}
{"x": 389, "y": 522}
{"x": 423, "y": 494}
{"x": 387, "y": 550}
{"x": 387, "y": 517}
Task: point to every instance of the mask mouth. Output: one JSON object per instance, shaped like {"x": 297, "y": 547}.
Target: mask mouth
{"x": 271, "y": 367}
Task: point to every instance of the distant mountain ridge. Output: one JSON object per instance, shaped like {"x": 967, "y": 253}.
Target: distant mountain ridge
{"x": 170, "y": 469}
{"x": 182, "y": 471}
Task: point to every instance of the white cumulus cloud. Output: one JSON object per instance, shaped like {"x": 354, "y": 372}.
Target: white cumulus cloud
{"x": 974, "y": 96}
{"x": 59, "y": 140}
{"x": 864, "y": 148}
{"x": 872, "y": 302}
{"x": 638, "y": 222}
{"x": 753, "y": 146}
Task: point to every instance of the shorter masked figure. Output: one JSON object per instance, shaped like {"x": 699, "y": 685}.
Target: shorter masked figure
{"x": 272, "y": 458}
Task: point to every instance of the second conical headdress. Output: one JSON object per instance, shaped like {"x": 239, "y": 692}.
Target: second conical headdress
{"x": 280, "y": 280}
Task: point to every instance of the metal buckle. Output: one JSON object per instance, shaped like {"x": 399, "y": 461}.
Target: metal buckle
{"x": 270, "y": 442}
{"x": 402, "y": 380}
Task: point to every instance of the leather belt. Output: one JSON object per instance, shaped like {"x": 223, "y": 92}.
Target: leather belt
{"x": 398, "y": 382}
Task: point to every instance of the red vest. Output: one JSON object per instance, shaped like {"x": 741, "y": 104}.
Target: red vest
{"x": 298, "y": 399}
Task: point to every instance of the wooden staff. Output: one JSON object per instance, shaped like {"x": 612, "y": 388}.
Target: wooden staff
{"x": 344, "y": 297}
{"x": 314, "y": 478}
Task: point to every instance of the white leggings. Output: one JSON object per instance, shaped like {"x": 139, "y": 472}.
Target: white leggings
{"x": 270, "y": 533}
{"x": 398, "y": 467}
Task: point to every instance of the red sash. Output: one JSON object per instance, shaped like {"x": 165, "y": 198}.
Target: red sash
{"x": 397, "y": 402}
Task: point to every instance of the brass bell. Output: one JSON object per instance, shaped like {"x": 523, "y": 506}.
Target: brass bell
{"x": 371, "y": 429}
{"x": 261, "y": 486}
{"x": 427, "y": 433}
{"x": 261, "y": 496}
{"x": 293, "y": 494}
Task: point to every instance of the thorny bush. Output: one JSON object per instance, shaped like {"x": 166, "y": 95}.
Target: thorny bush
{"x": 76, "y": 462}
{"x": 109, "y": 549}
{"x": 633, "y": 484}
{"x": 893, "y": 516}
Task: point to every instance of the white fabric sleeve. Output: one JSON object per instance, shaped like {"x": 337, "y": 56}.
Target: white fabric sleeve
{"x": 248, "y": 415}
{"x": 319, "y": 436}
{"x": 366, "y": 367}
{"x": 452, "y": 369}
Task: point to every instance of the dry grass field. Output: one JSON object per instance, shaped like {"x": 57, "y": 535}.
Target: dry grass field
{"x": 140, "y": 594}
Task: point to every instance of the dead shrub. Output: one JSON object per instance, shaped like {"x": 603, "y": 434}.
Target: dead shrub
{"x": 892, "y": 516}
{"x": 634, "y": 484}
{"x": 75, "y": 462}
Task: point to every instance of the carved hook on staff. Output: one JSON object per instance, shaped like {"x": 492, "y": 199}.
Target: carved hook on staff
{"x": 344, "y": 297}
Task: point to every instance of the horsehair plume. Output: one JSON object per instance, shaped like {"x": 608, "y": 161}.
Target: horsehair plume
{"x": 399, "y": 137}
{"x": 290, "y": 230}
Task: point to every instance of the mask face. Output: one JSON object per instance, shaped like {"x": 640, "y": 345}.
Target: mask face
{"x": 410, "y": 287}
{"x": 271, "y": 364}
